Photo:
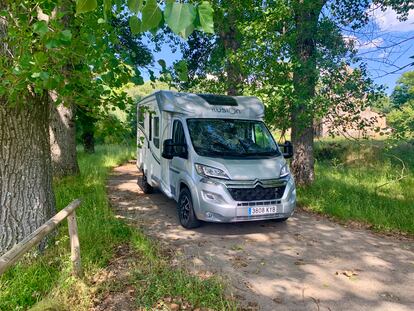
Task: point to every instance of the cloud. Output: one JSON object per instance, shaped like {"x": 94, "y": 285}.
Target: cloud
{"x": 366, "y": 45}
{"x": 388, "y": 21}
{"x": 363, "y": 45}
{"x": 383, "y": 54}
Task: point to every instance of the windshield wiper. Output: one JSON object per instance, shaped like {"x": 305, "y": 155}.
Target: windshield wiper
{"x": 265, "y": 153}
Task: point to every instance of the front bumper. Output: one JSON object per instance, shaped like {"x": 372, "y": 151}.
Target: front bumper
{"x": 215, "y": 204}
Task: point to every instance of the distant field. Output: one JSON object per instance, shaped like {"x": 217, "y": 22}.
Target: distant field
{"x": 366, "y": 181}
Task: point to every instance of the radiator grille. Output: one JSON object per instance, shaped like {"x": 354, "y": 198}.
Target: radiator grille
{"x": 256, "y": 194}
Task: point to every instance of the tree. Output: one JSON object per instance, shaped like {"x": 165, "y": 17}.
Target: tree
{"x": 401, "y": 118}
{"x": 295, "y": 58}
{"x": 26, "y": 195}
{"x": 404, "y": 90}
{"x": 35, "y": 48}
{"x": 214, "y": 59}
{"x": 62, "y": 131}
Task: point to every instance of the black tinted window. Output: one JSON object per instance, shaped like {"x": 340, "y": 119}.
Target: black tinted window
{"x": 178, "y": 136}
{"x": 156, "y": 132}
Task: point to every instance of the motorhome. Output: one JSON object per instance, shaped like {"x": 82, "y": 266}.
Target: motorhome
{"x": 214, "y": 156}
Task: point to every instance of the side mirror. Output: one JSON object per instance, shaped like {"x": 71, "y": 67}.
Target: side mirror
{"x": 169, "y": 151}
{"x": 287, "y": 149}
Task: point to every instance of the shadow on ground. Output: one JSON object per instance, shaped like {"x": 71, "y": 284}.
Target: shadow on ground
{"x": 307, "y": 263}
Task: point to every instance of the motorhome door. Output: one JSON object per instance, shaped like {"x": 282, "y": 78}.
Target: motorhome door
{"x": 165, "y": 163}
{"x": 177, "y": 164}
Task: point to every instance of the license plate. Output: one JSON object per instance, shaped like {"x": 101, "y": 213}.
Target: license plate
{"x": 262, "y": 210}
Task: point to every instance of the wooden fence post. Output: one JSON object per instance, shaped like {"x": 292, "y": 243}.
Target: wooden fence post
{"x": 12, "y": 256}
{"x": 74, "y": 245}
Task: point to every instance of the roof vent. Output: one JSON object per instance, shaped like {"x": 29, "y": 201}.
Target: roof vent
{"x": 219, "y": 100}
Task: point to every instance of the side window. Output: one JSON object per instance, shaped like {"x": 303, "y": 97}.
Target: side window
{"x": 178, "y": 136}
{"x": 150, "y": 128}
{"x": 141, "y": 116}
{"x": 156, "y": 131}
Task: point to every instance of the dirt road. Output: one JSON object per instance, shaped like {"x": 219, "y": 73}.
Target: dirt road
{"x": 307, "y": 263}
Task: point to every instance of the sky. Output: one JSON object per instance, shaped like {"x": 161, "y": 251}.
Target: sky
{"x": 385, "y": 45}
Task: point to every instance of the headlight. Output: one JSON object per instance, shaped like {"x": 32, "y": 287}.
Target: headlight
{"x": 284, "y": 171}
{"x": 209, "y": 171}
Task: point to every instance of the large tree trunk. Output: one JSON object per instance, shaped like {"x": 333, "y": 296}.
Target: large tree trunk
{"x": 305, "y": 77}
{"x": 63, "y": 139}
{"x": 230, "y": 38}
{"x": 26, "y": 194}
{"x": 62, "y": 120}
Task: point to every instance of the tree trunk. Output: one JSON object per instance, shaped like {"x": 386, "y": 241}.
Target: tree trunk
{"x": 88, "y": 139}
{"x": 62, "y": 119}
{"x": 63, "y": 139}
{"x": 87, "y": 123}
{"x": 26, "y": 193}
{"x": 305, "y": 77}
{"x": 229, "y": 37}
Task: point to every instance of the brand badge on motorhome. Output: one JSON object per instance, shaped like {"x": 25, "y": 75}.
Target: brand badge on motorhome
{"x": 226, "y": 110}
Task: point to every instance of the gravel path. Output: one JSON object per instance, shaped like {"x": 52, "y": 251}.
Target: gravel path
{"x": 307, "y": 263}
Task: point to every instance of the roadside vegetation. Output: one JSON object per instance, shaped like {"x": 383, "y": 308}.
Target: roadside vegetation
{"x": 366, "y": 181}
{"x": 49, "y": 277}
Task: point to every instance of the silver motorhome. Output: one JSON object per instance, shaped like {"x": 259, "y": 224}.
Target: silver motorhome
{"x": 214, "y": 156}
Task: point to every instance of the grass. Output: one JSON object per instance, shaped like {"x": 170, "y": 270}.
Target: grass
{"x": 363, "y": 182}
{"x": 48, "y": 277}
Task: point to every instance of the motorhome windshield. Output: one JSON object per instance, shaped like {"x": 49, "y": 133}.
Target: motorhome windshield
{"x": 231, "y": 138}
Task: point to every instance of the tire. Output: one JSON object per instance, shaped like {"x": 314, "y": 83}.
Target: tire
{"x": 280, "y": 219}
{"x": 185, "y": 210}
{"x": 144, "y": 185}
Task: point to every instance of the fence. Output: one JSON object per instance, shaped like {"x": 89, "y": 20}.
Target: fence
{"x": 13, "y": 255}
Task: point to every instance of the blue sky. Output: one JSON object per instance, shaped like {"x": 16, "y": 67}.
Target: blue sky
{"x": 385, "y": 45}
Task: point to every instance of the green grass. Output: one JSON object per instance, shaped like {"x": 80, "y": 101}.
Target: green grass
{"x": 49, "y": 277}
{"x": 360, "y": 181}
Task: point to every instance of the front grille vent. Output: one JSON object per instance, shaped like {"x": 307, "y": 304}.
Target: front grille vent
{"x": 256, "y": 194}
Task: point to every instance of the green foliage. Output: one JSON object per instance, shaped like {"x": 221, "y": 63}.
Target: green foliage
{"x": 135, "y": 5}
{"x": 382, "y": 105}
{"x": 182, "y": 70}
{"x": 83, "y": 6}
{"x": 362, "y": 181}
{"x": 56, "y": 49}
{"x": 179, "y": 17}
{"x": 259, "y": 41}
{"x": 401, "y": 111}
{"x": 151, "y": 15}
{"x": 205, "y": 11}
{"x": 135, "y": 25}
{"x": 114, "y": 128}
{"x": 404, "y": 90}
{"x": 401, "y": 121}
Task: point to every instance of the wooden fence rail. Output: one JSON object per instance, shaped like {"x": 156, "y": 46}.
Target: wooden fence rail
{"x": 13, "y": 255}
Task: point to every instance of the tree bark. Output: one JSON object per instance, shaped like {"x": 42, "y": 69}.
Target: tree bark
{"x": 26, "y": 193}
{"x": 63, "y": 139}
{"x": 229, "y": 36}
{"x": 87, "y": 123}
{"x": 305, "y": 77}
{"x": 62, "y": 119}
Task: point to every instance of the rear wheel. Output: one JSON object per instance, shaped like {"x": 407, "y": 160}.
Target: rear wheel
{"x": 144, "y": 185}
{"x": 185, "y": 210}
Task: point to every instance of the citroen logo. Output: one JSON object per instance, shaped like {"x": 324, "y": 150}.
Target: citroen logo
{"x": 257, "y": 182}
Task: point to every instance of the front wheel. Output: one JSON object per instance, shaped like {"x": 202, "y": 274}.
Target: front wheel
{"x": 144, "y": 185}
{"x": 185, "y": 210}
